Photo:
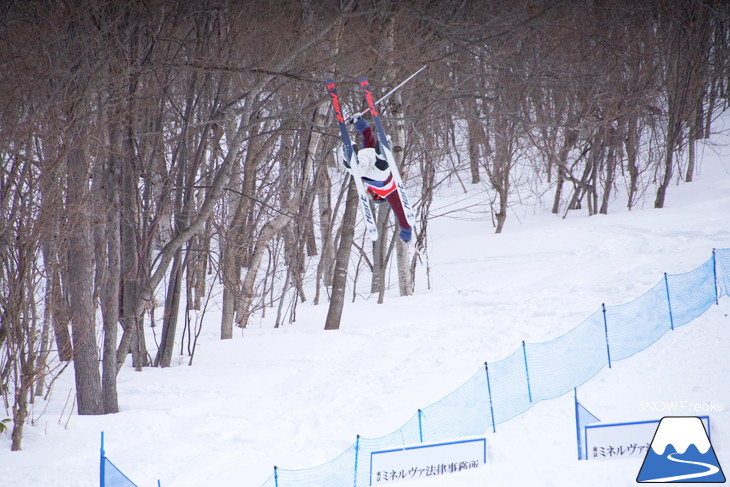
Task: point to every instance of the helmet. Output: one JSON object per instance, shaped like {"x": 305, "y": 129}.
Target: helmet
{"x": 366, "y": 157}
{"x": 367, "y": 164}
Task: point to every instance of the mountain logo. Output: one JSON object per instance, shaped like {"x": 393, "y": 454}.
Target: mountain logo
{"x": 681, "y": 452}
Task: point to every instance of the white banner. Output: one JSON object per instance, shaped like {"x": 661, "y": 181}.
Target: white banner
{"x": 426, "y": 460}
{"x": 622, "y": 440}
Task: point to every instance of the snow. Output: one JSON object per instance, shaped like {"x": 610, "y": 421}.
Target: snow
{"x": 297, "y": 396}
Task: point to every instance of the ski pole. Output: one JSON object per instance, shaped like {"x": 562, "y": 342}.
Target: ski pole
{"x": 393, "y": 90}
{"x": 397, "y": 87}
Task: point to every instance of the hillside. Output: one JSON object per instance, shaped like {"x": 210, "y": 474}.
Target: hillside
{"x": 297, "y": 396}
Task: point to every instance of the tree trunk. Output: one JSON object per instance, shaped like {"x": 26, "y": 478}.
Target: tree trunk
{"x": 247, "y": 290}
{"x": 612, "y": 140}
{"x": 20, "y": 404}
{"x": 405, "y": 277}
{"x": 476, "y": 136}
{"x": 501, "y": 215}
{"x": 172, "y": 297}
{"x": 131, "y": 317}
{"x": 172, "y": 307}
{"x": 237, "y": 241}
{"x": 632, "y": 150}
{"x": 230, "y": 272}
{"x": 326, "y": 212}
{"x": 560, "y": 180}
{"x": 61, "y": 317}
{"x": 570, "y": 137}
{"x": 692, "y": 143}
{"x": 668, "y": 165}
{"x": 377, "y": 282}
{"x": 110, "y": 291}
{"x": 499, "y": 172}
{"x": 342, "y": 260}
{"x": 324, "y": 198}
{"x": 81, "y": 284}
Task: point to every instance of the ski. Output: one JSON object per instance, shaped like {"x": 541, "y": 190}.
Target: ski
{"x": 351, "y": 157}
{"x": 407, "y": 209}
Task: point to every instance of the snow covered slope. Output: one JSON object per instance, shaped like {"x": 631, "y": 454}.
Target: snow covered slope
{"x": 297, "y": 396}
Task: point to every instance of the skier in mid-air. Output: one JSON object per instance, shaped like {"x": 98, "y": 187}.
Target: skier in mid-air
{"x": 376, "y": 174}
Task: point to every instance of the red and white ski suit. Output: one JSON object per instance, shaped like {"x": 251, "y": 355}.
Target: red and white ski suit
{"x": 376, "y": 174}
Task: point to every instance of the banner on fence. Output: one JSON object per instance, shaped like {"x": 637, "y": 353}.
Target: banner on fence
{"x": 426, "y": 460}
{"x": 622, "y": 440}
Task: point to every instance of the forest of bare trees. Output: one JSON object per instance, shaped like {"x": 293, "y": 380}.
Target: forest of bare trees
{"x": 155, "y": 155}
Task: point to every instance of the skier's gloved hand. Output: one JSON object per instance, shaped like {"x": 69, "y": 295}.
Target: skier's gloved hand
{"x": 359, "y": 122}
{"x": 406, "y": 234}
{"x": 355, "y": 118}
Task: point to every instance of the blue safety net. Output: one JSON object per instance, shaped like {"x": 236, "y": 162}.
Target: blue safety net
{"x": 338, "y": 471}
{"x": 501, "y": 390}
{"x": 464, "y": 412}
{"x": 509, "y": 387}
{"x": 633, "y": 326}
{"x": 568, "y": 361}
{"x": 692, "y": 293}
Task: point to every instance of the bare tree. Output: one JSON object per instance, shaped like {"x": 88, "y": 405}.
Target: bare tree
{"x": 683, "y": 29}
{"x": 342, "y": 260}
{"x": 21, "y": 365}
{"x": 143, "y": 133}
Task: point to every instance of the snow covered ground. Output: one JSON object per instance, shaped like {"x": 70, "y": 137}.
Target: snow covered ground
{"x": 297, "y": 396}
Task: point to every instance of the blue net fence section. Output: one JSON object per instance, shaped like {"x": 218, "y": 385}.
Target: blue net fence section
{"x": 499, "y": 391}
{"x": 109, "y": 474}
